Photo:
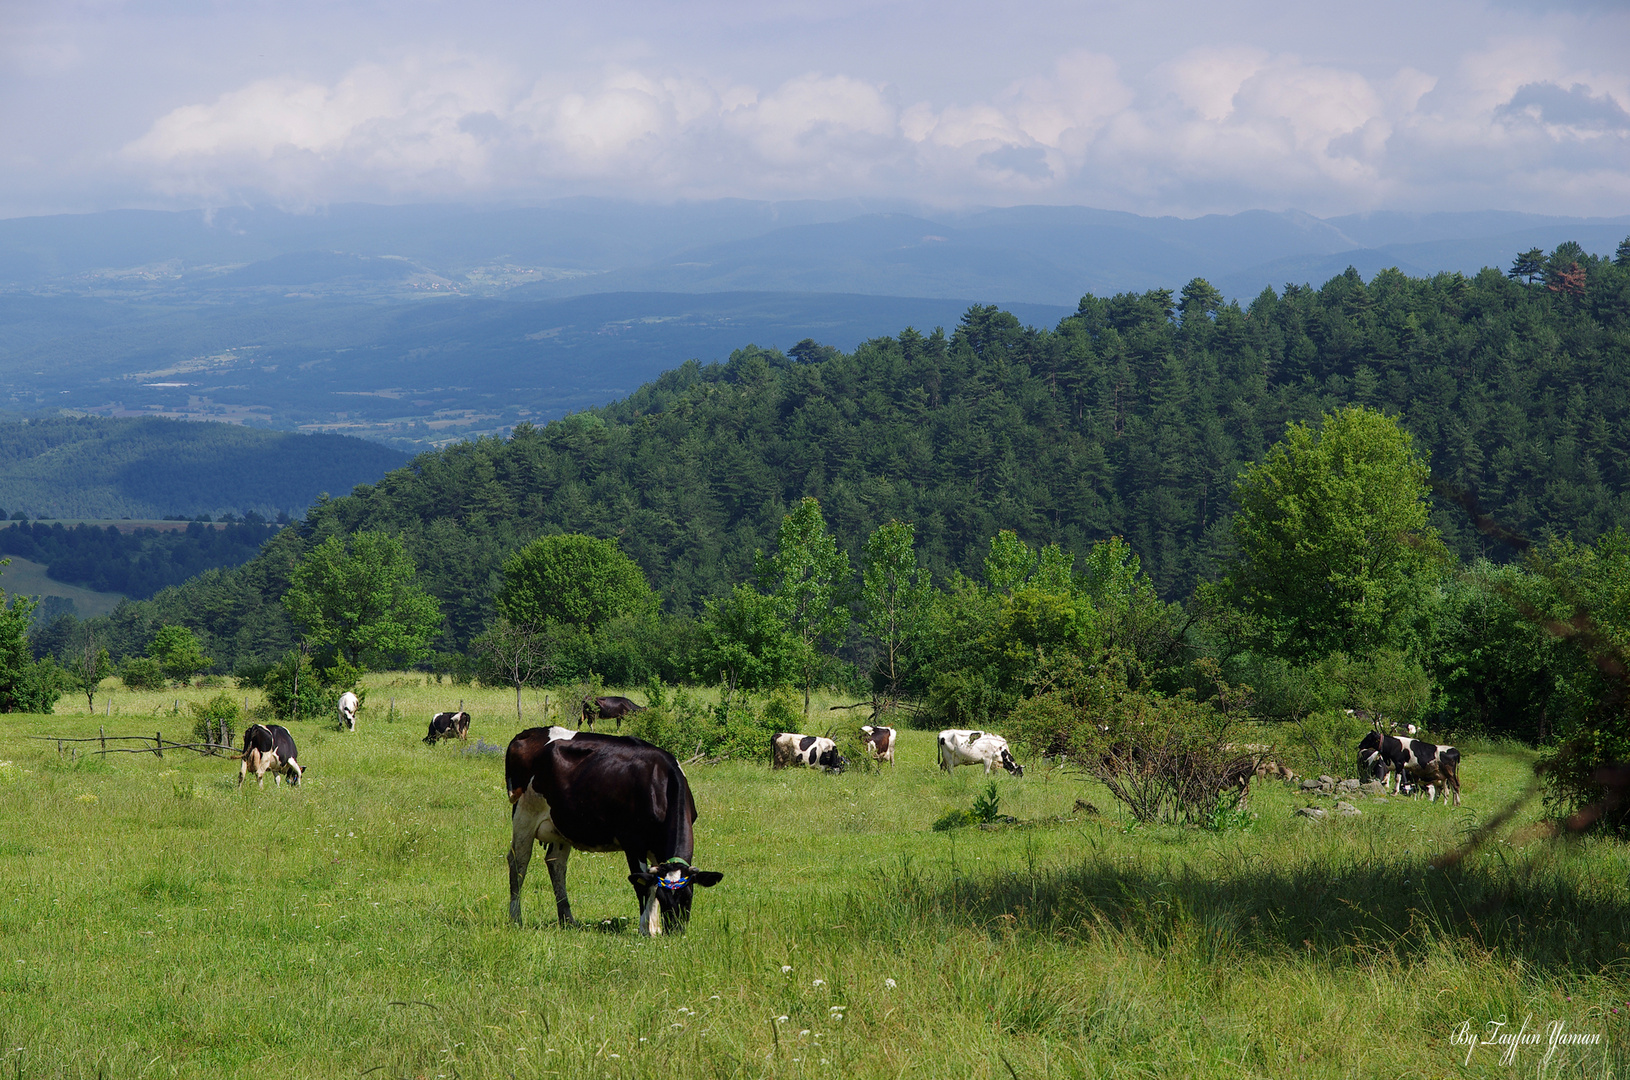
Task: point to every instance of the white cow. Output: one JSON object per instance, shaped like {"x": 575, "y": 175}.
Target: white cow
{"x": 348, "y": 710}
{"x": 976, "y": 748}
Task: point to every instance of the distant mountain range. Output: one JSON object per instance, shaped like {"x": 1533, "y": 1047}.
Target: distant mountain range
{"x": 1024, "y": 254}
{"x": 418, "y": 325}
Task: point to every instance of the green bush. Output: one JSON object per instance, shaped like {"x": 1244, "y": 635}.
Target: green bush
{"x": 143, "y": 673}
{"x": 217, "y": 720}
{"x": 740, "y": 730}
{"x": 296, "y": 689}
{"x": 1326, "y": 742}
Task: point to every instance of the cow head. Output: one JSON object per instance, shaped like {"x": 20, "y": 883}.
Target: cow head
{"x": 674, "y": 883}
{"x": 832, "y": 761}
{"x": 1010, "y": 765}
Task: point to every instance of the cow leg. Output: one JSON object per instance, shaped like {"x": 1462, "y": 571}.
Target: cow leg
{"x": 243, "y": 770}
{"x": 555, "y": 860}
{"x": 523, "y": 834}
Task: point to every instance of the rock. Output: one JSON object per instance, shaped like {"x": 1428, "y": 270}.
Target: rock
{"x": 1327, "y": 781}
{"x": 1347, "y": 785}
{"x": 1373, "y": 787}
{"x": 1317, "y": 813}
{"x": 1310, "y": 785}
{"x": 1347, "y": 809}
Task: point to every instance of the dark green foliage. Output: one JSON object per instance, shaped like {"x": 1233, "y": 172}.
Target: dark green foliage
{"x": 739, "y": 729}
{"x": 90, "y": 467}
{"x": 297, "y": 689}
{"x": 26, "y": 684}
{"x": 572, "y": 579}
{"x": 1120, "y": 421}
{"x": 138, "y": 563}
{"x": 1588, "y": 610}
{"x": 142, "y": 673}
{"x": 176, "y": 650}
{"x": 1335, "y": 554}
{"x": 217, "y": 720}
{"x": 358, "y": 597}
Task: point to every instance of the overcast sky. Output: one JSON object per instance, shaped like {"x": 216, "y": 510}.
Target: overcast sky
{"x": 1156, "y": 106}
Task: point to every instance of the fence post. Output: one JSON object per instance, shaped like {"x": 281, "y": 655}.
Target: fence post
{"x": 158, "y": 743}
{"x": 104, "y": 732}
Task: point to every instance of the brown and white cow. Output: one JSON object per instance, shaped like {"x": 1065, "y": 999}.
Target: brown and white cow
{"x": 269, "y": 747}
{"x": 879, "y": 741}
{"x": 815, "y": 751}
{"x": 608, "y": 708}
{"x": 604, "y": 793}
{"x": 447, "y": 725}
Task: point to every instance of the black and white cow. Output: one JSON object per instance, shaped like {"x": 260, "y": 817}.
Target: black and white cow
{"x": 1401, "y": 759}
{"x": 789, "y": 748}
{"x": 1434, "y": 766}
{"x": 348, "y": 710}
{"x": 608, "y": 708}
{"x": 879, "y": 741}
{"x": 604, "y": 793}
{"x": 269, "y": 747}
{"x": 447, "y": 725}
{"x": 959, "y": 747}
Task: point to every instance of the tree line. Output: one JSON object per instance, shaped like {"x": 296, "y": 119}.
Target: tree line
{"x": 1080, "y": 512}
{"x": 140, "y": 562}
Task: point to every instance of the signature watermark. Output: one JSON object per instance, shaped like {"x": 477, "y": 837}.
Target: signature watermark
{"x": 1508, "y": 1041}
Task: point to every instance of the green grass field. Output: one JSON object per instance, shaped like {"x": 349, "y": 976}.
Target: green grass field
{"x": 157, "y": 921}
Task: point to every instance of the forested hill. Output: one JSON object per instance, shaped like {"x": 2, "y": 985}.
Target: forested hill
{"x": 1132, "y": 417}
{"x": 93, "y": 467}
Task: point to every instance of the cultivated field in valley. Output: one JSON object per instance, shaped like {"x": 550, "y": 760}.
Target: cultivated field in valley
{"x": 157, "y": 921}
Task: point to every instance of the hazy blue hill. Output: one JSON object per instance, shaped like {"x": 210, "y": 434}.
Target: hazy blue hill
{"x": 90, "y": 467}
{"x": 419, "y": 373}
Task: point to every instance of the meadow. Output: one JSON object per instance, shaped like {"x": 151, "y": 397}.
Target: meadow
{"x": 156, "y": 920}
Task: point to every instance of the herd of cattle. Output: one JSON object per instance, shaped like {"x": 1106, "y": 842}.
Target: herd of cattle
{"x": 597, "y": 792}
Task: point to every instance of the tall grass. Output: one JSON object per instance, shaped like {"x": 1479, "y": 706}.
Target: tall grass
{"x": 155, "y": 920}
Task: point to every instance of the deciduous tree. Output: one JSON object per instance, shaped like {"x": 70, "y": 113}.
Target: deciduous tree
{"x": 359, "y": 596}
{"x": 807, "y": 576}
{"x": 574, "y": 579}
{"x": 1335, "y": 553}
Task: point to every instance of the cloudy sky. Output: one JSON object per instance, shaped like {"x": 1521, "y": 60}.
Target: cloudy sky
{"x": 1156, "y": 106}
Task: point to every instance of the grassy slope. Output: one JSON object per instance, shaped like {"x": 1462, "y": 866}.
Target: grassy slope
{"x": 154, "y": 920}
{"x": 24, "y": 577}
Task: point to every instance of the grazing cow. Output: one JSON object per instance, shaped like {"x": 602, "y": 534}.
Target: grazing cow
{"x": 1383, "y": 756}
{"x": 879, "y": 741}
{"x": 1402, "y": 759}
{"x": 1433, "y": 765}
{"x": 446, "y": 725}
{"x": 604, "y": 793}
{"x": 348, "y": 710}
{"x": 269, "y": 747}
{"x": 607, "y": 708}
{"x": 792, "y": 749}
{"x": 976, "y": 748}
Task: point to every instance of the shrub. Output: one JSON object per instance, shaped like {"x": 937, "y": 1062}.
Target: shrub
{"x": 739, "y": 730}
{"x": 217, "y": 720}
{"x": 1168, "y": 759}
{"x": 1326, "y": 742}
{"x": 296, "y": 689}
{"x": 143, "y": 673}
